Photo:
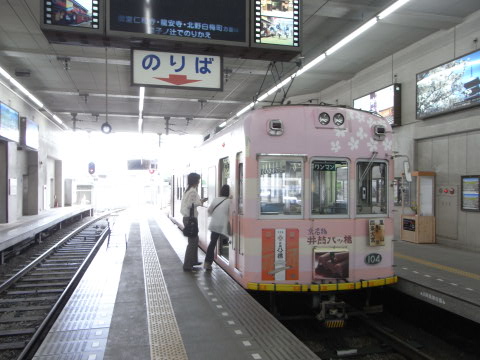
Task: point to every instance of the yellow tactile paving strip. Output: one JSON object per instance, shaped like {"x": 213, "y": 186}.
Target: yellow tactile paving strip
{"x": 165, "y": 339}
{"x": 438, "y": 266}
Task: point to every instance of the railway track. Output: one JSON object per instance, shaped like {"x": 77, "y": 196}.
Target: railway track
{"x": 32, "y": 299}
{"x": 382, "y": 335}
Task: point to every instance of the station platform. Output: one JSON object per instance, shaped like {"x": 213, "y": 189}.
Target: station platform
{"x": 442, "y": 276}
{"x": 136, "y": 302}
{"x": 29, "y": 226}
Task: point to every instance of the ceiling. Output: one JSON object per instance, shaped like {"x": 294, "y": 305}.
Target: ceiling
{"x": 79, "y": 86}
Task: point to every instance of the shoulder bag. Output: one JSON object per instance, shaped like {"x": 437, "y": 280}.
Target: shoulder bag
{"x": 191, "y": 227}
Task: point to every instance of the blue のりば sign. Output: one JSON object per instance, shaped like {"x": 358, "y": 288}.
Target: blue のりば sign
{"x": 176, "y": 70}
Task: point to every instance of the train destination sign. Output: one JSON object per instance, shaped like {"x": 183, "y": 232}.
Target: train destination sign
{"x": 206, "y": 20}
{"x": 176, "y": 70}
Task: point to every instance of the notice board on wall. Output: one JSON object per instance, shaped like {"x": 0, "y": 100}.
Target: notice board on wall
{"x": 471, "y": 193}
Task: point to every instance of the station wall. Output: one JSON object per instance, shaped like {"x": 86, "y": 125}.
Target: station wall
{"x": 448, "y": 144}
{"x": 28, "y": 169}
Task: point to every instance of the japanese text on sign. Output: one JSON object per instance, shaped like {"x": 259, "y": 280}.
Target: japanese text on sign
{"x": 171, "y": 27}
{"x": 174, "y": 70}
{"x": 319, "y": 236}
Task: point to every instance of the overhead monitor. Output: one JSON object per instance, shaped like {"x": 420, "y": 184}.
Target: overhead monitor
{"x": 449, "y": 87}
{"x": 29, "y": 134}
{"x": 206, "y": 21}
{"x": 385, "y": 102}
{"x": 9, "y": 123}
{"x": 276, "y": 23}
{"x": 142, "y": 164}
{"x": 81, "y": 16}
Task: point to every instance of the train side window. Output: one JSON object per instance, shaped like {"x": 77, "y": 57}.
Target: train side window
{"x": 281, "y": 187}
{"x": 212, "y": 182}
{"x": 224, "y": 173}
{"x": 240, "y": 188}
{"x": 329, "y": 187}
{"x": 371, "y": 187}
{"x": 204, "y": 184}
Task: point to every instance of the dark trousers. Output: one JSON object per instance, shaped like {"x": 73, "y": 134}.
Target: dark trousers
{"x": 191, "y": 253}
{"x": 211, "y": 247}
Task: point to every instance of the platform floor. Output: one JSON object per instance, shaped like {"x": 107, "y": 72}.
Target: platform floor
{"x": 28, "y": 226}
{"x": 136, "y": 302}
{"x": 442, "y": 276}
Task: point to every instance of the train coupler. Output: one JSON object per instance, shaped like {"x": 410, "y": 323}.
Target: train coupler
{"x": 333, "y": 314}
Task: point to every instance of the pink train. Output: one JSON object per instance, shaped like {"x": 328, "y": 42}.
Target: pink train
{"x": 312, "y": 202}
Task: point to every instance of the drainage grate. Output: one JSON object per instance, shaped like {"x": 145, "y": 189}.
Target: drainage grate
{"x": 165, "y": 339}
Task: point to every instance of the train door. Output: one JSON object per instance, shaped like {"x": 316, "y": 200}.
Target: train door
{"x": 224, "y": 175}
{"x": 238, "y": 213}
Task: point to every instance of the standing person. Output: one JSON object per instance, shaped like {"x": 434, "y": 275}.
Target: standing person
{"x": 219, "y": 210}
{"x": 191, "y": 197}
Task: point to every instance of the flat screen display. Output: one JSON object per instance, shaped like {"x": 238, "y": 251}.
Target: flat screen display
{"x": 385, "y": 102}
{"x": 30, "y": 135}
{"x": 277, "y": 22}
{"x": 205, "y": 20}
{"x": 9, "y": 123}
{"x": 72, "y": 13}
{"x": 449, "y": 87}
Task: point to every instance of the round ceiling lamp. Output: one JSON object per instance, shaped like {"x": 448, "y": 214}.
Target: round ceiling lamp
{"x": 106, "y": 128}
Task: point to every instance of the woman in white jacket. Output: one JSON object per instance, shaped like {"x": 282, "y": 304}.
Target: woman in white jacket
{"x": 219, "y": 211}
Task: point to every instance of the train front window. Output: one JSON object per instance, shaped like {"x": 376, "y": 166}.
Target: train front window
{"x": 281, "y": 187}
{"x": 329, "y": 187}
{"x": 371, "y": 187}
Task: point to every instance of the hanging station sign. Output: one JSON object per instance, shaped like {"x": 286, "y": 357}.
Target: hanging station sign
{"x": 250, "y": 29}
{"x": 176, "y": 70}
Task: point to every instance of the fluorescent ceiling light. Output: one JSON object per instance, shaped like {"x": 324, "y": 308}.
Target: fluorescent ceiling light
{"x": 245, "y": 109}
{"x": 391, "y": 9}
{"x": 263, "y": 97}
{"x": 142, "y": 99}
{"x": 20, "y": 87}
{"x": 57, "y": 119}
{"x": 222, "y": 124}
{"x": 352, "y": 36}
{"x": 31, "y": 97}
{"x": 311, "y": 64}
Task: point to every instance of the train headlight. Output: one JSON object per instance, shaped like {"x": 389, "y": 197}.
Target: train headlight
{"x": 324, "y": 118}
{"x": 338, "y": 119}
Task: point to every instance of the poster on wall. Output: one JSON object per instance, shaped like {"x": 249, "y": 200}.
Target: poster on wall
{"x": 9, "y": 123}
{"x": 470, "y": 193}
{"x": 449, "y": 87}
{"x": 385, "y": 102}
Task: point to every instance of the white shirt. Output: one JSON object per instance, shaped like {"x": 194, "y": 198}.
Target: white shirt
{"x": 189, "y": 198}
{"x": 220, "y": 216}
